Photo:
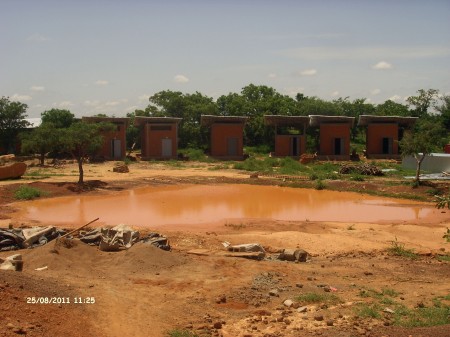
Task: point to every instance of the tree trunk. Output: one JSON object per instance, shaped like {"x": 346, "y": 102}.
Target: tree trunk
{"x": 42, "y": 158}
{"x": 80, "y": 170}
{"x": 419, "y": 163}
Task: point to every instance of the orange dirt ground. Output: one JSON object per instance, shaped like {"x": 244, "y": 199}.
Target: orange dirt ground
{"x": 145, "y": 291}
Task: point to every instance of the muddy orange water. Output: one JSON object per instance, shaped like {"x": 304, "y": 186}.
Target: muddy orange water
{"x": 164, "y": 206}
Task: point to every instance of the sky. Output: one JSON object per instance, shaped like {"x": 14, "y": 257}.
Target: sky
{"x": 99, "y": 56}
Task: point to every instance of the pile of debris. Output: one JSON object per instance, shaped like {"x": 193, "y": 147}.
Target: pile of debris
{"x": 121, "y": 237}
{"x": 120, "y": 168}
{"x": 107, "y": 239}
{"x": 364, "y": 169}
{"x": 13, "y": 239}
{"x": 257, "y": 252}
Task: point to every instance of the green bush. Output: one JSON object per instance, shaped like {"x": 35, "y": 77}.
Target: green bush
{"x": 181, "y": 333}
{"x": 253, "y": 164}
{"x": 26, "y": 192}
{"x": 195, "y": 155}
{"x": 320, "y": 185}
{"x": 290, "y": 166}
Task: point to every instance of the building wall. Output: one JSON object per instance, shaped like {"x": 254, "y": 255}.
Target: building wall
{"x": 328, "y": 132}
{"x": 108, "y": 137}
{"x": 374, "y": 138}
{"x": 433, "y": 163}
{"x": 283, "y": 145}
{"x": 152, "y": 140}
{"x": 220, "y": 133}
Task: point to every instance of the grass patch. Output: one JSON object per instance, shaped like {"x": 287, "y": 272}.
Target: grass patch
{"x": 398, "y": 249}
{"x": 308, "y": 298}
{"x": 351, "y": 228}
{"x": 356, "y": 177}
{"x": 319, "y": 185}
{"x": 422, "y": 317}
{"x": 290, "y": 166}
{"x": 253, "y": 164}
{"x": 444, "y": 258}
{"x": 181, "y": 333}
{"x": 195, "y": 155}
{"x": 26, "y": 192}
{"x": 365, "y": 310}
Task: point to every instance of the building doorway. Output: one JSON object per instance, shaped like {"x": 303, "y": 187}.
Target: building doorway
{"x": 166, "y": 150}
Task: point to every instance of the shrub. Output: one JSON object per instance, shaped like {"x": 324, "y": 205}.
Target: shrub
{"x": 26, "y": 192}
{"x": 181, "y": 333}
{"x": 320, "y": 185}
{"x": 398, "y": 249}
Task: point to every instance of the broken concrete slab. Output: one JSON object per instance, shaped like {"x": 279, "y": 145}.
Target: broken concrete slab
{"x": 12, "y": 262}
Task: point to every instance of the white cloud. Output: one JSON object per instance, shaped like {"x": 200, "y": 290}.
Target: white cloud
{"x": 307, "y": 72}
{"x": 382, "y": 65}
{"x": 37, "y": 88}
{"x": 181, "y": 79}
{"x": 91, "y": 103}
{"x": 112, "y": 103}
{"x": 63, "y": 104}
{"x": 131, "y": 108}
{"x": 18, "y": 97}
{"x": 36, "y": 37}
{"x": 101, "y": 82}
{"x": 272, "y": 75}
{"x": 395, "y": 98}
{"x": 335, "y": 94}
{"x": 375, "y": 92}
{"x": 143, "y": 97}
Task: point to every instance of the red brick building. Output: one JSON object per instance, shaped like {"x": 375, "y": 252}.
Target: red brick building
{"x": 290, "y": 134}
{"x": 227, "y": 136}
{"x": 334, "y": 136}
{"x": 383, "y": 134}
{"x": 114, "y": 142}
{"x": 159, "y": 137}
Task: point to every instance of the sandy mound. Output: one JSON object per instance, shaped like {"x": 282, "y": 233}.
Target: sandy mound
{"x": 85, "y": 258}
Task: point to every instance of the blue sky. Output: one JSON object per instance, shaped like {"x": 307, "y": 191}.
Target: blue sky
{"x": 108, "y": 57}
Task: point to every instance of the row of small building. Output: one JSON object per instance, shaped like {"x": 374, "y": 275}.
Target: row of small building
{"x": 159, "y": 135}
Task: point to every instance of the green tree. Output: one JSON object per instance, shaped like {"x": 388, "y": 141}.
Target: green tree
{"x": 41, "y": 140}
{"x": 133, "y": 132}
{"x": 12, "y": 121}
{"x": 426, "y": 137}
{"x": 444, "y": 111}
{"x": 189, "y": 107}
{"x": 254, "y": 102}
{"x": 391, "y": 108}
{"x": 422, "y": 102}
{"x": 83, "y": 139}
{"x": 60, "y": 118}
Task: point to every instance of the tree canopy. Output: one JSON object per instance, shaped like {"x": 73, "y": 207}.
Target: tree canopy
{"x": 83, "y": 139}
{"x": 12, "y": 121}
{"x": 60, "y": 118}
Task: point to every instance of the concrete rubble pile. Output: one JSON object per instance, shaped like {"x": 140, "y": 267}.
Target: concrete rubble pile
{"x": 121, "y": 237}
{"x": 13, "y": 239}
{"x": 256, "y": 251}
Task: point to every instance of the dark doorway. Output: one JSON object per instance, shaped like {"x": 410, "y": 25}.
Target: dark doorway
{"x": 338, "y": 146}
{"x": 295, "y": 146}
{"x": 387, "y": 145}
